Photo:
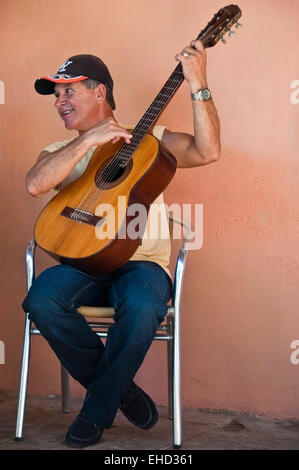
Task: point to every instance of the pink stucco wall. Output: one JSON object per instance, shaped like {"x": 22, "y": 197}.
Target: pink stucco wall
{"x": 240, "y": 307}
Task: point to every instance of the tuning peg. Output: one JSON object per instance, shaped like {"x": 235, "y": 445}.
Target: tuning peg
{"x": 231, "y": 33}
{"x": 221, "y": 38}
{"x": 238, "y": 25}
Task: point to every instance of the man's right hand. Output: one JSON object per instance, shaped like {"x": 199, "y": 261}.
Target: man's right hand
{"x": 106, "y": 131}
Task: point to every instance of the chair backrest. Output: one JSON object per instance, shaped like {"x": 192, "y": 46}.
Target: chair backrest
{"x": 179, "y": 228}
{"x": 180, "y": 259}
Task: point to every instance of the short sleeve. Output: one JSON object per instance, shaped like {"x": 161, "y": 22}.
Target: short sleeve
{"x": 158, "y": 131}
{"x": 57, "y": 145}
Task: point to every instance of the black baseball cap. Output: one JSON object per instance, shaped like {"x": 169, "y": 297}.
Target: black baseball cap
{"x": 75, "y": 69}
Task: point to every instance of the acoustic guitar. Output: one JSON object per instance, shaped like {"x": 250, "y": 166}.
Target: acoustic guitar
{"x": 75, "y": 226}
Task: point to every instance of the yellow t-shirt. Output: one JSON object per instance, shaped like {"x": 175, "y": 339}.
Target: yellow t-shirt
{"x": 156, "y": 245}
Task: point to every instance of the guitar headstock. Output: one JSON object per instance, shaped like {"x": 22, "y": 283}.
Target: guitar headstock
{"x": 220, "y": 24}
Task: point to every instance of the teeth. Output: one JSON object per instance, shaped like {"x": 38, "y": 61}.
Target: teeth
{"x": 66, "y": 112}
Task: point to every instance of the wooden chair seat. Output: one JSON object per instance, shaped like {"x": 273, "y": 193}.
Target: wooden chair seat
{"x": 96, "y": 312}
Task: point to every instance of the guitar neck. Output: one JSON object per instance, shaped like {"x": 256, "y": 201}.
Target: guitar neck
{"x": 155, "y": 109}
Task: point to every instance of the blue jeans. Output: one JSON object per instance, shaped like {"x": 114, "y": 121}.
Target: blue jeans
{"x": 138, "y": 291}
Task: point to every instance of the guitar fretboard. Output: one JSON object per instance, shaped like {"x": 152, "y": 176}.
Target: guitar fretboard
{"x": 151, "y": 114}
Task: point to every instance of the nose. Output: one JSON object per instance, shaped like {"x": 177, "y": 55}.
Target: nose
{"x": 60, "y": 100}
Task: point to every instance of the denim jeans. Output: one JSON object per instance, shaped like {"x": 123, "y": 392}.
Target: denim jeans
{"x": 138, "y": 291}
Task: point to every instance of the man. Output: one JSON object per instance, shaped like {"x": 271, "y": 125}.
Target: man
{"x": 140, "y": 289}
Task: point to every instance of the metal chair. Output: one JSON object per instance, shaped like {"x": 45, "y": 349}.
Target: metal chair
{"x": 168, "y": 331}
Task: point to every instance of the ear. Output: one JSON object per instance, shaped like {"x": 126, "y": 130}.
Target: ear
{"x": 100, "y": 91}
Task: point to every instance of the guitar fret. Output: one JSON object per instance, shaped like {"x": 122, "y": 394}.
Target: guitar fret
{"x": 143, "y": 122}
{"x": 141, "y": 127}
{"x": 155, "y": 107}
{"x": 147, "y": 118}
{"x": 123, "y": 154}
{"x": 168, "y": 88}
{"x": 124, "y": 157}
{"x": 160, "y": 100}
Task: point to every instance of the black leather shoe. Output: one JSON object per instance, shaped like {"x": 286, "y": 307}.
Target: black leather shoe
{"x": 139, "y": 408}
{"x": 82, "y": 433}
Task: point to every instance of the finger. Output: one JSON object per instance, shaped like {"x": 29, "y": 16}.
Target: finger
{"x": 198, "y": 45}
{"x": 127, "y": 138}
{"x": 182, "y": 58}
{"x": 185, "y": 55}
{"x": 190, "y": 51}
{"x": 117, "y": 130}
{"x": 125, "y": 133}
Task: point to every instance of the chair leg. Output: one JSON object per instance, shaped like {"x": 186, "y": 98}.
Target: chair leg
{"x": 177, "y": 412}
{"x": 65, "y": 390}
{"x": 170, "y": 366}
{"x": 23, "y": 380}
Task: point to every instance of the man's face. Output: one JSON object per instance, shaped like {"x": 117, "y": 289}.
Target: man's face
{"x": 76, "y": 105}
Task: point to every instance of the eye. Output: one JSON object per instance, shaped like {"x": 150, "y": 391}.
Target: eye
{"x": 69, "y": 90}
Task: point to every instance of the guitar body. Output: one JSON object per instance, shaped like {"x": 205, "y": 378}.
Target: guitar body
{"x": 86, "y": 226}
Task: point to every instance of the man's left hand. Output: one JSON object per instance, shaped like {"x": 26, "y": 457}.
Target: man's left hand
{"x": 194, "y": 62}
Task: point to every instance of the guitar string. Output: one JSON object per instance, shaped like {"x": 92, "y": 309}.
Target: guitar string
{"x": 113, "y": 166}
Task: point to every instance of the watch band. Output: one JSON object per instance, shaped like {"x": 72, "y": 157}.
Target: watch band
{"x": 204, "y": 94}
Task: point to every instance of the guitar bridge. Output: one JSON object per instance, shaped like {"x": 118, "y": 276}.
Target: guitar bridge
{"x": 81, "y": 216}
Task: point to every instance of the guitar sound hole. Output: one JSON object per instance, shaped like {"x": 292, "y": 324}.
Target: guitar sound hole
{"x": 111, "y": 174}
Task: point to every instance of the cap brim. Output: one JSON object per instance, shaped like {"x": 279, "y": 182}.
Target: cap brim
{"x": 45, "y": 85}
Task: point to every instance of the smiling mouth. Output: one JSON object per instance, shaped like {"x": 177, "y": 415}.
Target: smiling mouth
{"x": 66, "y": 112}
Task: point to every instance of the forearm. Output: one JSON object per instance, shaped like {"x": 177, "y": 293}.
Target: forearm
{"x": 52, "y": 168}
{"x": 206, "y": 140}
{"x": 204, "y": 146}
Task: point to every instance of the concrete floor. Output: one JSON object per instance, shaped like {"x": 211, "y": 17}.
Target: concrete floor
{"x": 45, "y": 428}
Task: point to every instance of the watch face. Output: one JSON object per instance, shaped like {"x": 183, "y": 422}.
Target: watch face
{"x": 205, "y": 93}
